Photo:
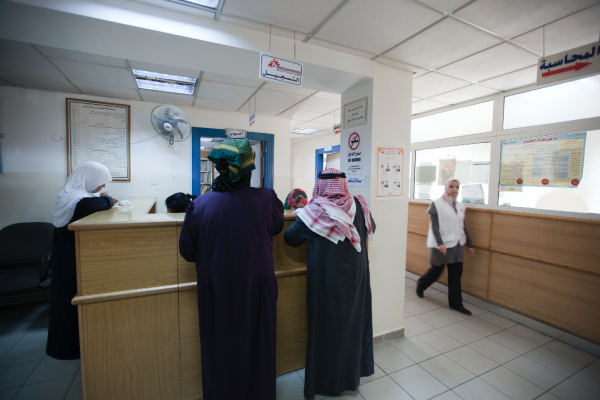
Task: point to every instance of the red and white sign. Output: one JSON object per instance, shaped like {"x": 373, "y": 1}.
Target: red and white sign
{"x": 280, "y": 70}
{"x": 575, "y": 182}
{"x": 520, "y": 181}
{"x": 545, "y": 181}
{"x": 567, "y": 65}
{"x": 354, "y": 141}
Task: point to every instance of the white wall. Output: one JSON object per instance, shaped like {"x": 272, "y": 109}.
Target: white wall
{"x": 303, "y": 161}
{"x": 35, "y": 166}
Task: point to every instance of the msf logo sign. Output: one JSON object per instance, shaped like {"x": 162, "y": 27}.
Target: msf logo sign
{"x": 274, "y": 64}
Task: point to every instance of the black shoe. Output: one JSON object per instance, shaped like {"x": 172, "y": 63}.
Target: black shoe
{"x": 419, "y": 293}
{"x": 462, "y": 310}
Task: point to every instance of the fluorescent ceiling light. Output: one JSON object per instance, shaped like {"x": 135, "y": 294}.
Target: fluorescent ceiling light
{"x": 164, "y": 82}
{"x": 304, "y": 131}
{"x": 203, "y": 3}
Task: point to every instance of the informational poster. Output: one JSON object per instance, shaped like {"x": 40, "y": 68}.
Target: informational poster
{"x": 355, "y": 113}
{"x": 390, "y": 172}
{"x": 280, "y": 70}
{"x": 554, "y": 160}
{"x": 99, "y": 132}
{"x": 447, "y": 170}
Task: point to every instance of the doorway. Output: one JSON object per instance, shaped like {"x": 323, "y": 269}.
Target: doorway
{"x": 329, "y": 156}
{"x": 203, "y": 171}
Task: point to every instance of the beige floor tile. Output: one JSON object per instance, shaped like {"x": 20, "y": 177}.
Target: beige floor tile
{"x": 449, "y": 395}
{"x": 478, "y": 389}
{"x": 417, "y": 326}
{"x": 390, "y": 359}
{"x": 407, "y": 314}
{"x": 435, "y": 319}
{"x": 547, "y": 396}
{"x": 289, "y": 387}
{"x": 418, "y": 383}
{"x": 461, "y": 333}
{"x": 411, "y": 294}
{"x": 534, "y": 372}
{"x": 595, "y": 366}
{"x": 553, "y": 361}
{"x": 494, "y": 351}
{"x": 431, "y": 303}
{"x": 440, "y": 341}
{"x": 497, "y": 320}
{"x": 378, "y": 374}
{"x": 415, "y": 308}
{"x": 588, "y": 378}
{"x": 383, "y": 389}
{"x": 447, "y": 371}
{"x": 529, "y": 334}
{"x": 452, "y": 314}
{"x": 570, "y": 352}
{"x": 480, "y": 326}
{"x": 511, "y": 384}
{"x": 513, "y": 342}
{"x": 410, "y": 283}
{"x": 569, "y": 390}
{"x": 54, "y": 389}
{"x": 416, "y": 349}
{"x": 473, "y": 361}
{"x": 432, "y": 292}
{"x": 473, "y": 308}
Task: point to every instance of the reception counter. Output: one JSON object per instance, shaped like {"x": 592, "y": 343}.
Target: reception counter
{"x": 138, "y": 312}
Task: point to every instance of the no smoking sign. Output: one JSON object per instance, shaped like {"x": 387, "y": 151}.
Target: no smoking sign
{"x": 354, "y": 141}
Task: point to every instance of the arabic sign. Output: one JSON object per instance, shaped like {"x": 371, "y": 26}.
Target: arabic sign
{"x": 251, "y": 120}
{"x": 356, "y": 180}
{"x": 355, "y": 113}
{"x": 337, "y": 128}
{"x": 235, "y": 134}
{"x": 390, "y": 172}
{"x": 555, "y": 160}
{"x": 280, "y": 70}
{"x": 571, "y": 64}
{"x": 355, "y": 162}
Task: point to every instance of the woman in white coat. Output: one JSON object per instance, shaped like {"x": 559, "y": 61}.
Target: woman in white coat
{"x": 446, "y": 238}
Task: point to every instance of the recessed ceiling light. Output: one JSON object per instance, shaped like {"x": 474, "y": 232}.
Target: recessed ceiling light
{"x": 304, "y": 131}
{"x": 164, "y": 82}
{"x": 203, "y": 3}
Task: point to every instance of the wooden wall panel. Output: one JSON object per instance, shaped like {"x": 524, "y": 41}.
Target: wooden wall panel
{"x": 569, "y": 242}
{"x": 127, "y": 259}
{"x": 189, "y": 336}
{"x": 417, "y": 257}
{"x": 292, "y": 324}
{"x": 186, "y": 271}
{"x": 567, "y": 299}
{"x": 418, "y": 219}
{"x": 138, "y": 355}
{"x": 286, "y": 257}
{"x": 475, "y": 273}
{"x": 478, "y": 225}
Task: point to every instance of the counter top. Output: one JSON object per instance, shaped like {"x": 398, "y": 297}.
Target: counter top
{"x": 126, "y": 217}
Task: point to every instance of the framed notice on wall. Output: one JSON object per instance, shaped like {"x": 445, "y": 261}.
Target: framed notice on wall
{"x": 99, "y": 132}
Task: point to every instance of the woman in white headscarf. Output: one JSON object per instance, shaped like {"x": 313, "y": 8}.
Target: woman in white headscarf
{"x": 446, "y": 238}
{"x": 78, "y": 198}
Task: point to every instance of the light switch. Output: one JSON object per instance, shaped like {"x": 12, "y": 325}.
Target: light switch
{"x": 154, "y": 181}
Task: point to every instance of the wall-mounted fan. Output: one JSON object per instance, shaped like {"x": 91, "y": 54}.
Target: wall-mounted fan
{"x": 171, "y": 123}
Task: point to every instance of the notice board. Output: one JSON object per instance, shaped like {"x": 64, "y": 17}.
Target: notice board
{"x": 99, "y": 132}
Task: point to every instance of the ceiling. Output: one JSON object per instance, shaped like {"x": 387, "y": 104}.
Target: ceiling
{"x": 458, "y": 50}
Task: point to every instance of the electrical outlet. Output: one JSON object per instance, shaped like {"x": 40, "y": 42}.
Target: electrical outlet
{"x": 154, "y": 181}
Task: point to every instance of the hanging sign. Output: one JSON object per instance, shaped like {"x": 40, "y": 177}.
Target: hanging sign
{"x": 554, "y": 160}
{"x": 390, "y": 172}
{"x": 280, "y": 70}
{"x": 251, "y": 120}
{"x": 568, "y": 65}
{"x": 337, "y": 128}
{"x": 235, "y": 134}
{"x": 355, "y": 113}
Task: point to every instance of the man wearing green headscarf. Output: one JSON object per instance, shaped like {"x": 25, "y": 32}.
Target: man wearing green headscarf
{"x": 228, "y": 232}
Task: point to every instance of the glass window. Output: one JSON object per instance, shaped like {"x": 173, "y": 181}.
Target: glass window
{"x": 567, "y": 101}
{"x": 470, "y": 164}
{"x": 469, "y": 120}
{"x": 581, "y": 198}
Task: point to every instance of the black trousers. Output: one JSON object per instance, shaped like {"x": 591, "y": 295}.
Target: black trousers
{"x": 454, "y": 274}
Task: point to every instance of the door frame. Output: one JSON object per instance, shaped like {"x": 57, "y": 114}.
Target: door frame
{"x": 319, "y": 158}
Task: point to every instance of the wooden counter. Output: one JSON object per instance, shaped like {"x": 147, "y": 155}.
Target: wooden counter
{"x": 138, "y": 310}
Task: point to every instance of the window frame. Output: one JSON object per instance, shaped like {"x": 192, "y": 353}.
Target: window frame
{"x": 495, "y": 137}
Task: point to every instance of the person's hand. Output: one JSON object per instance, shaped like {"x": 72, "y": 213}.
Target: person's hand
{"x": 442, "y": 248}
{"x": 471, "y": 252}
{"x": 115, "y": 200}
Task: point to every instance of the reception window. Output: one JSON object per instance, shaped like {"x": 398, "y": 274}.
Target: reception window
{"x": 469, "y": 164}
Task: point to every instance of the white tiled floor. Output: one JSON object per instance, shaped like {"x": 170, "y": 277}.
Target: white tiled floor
{"x": 444, "y": 355}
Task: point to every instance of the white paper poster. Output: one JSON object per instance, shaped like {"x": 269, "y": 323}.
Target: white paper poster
{"x": 355, "y": 113}
{"x": 356, "y": 180}
{"x": 390, "y": 172}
